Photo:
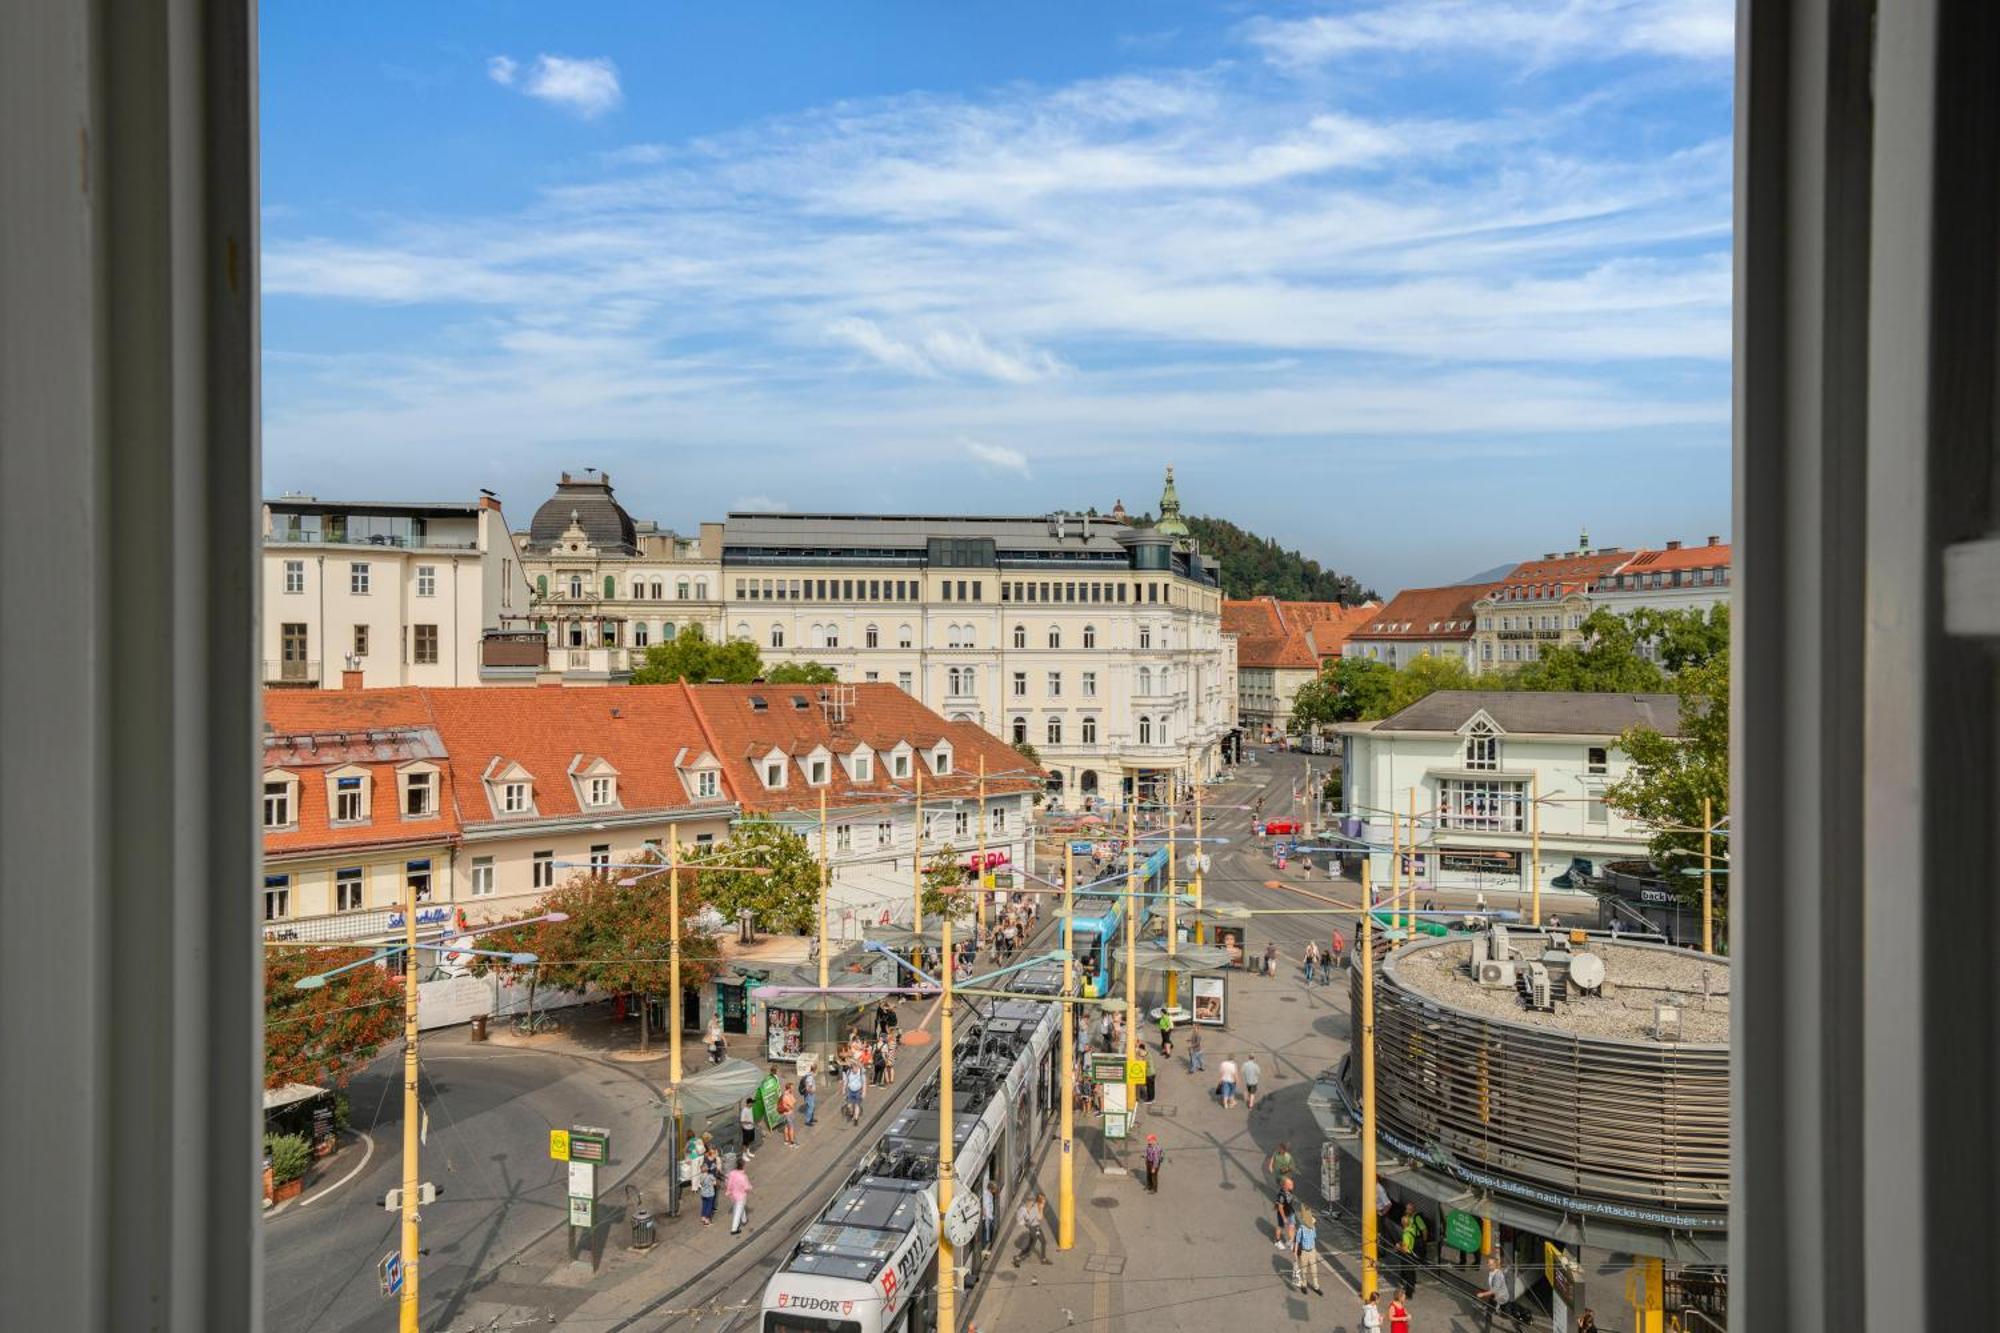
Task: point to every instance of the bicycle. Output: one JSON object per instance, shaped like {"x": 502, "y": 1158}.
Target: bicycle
{"x": 528, "y": 1024}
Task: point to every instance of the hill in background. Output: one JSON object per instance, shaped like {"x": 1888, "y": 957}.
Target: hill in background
{"x": 1254, "y": 566}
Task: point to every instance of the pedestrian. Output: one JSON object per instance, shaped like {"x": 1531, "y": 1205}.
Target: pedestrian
{"x": 1227, "y": 1086}
{"x": 1339, "y": 955}
{"x": 738, "y": 1190}
{"x": 717, "y": 1047}
{"x": 878, "y": 1058}
{"x": 889, "y": 1057}
{"x": 788, "y": 1101}
{"x": 854, "y": 1085}
{"x": 989, "y": 1213}
{"x": 1371, "y": 1317}
{"x": 1194, "y": 1052}
{"x": 809, "y": 1094}
{"x": 1312, "y": 961}
{"x": 1285, "y": 1208}
{"x": 1281, "y": 1163}
{"x": 1494, "y": 1293}
{"x": 1155, "y": 1155}
{"x": 1271, "y": 959}
{"x": 746, "y": 1120}
{"x": 1032, "y": 1238}
{"x": 1305, "y": 1254}
{"x": 1166, "y": 1030}
{"x": 706, "y": 1185}
{"x": 1409, "y": 1249}
{"x": 1252, "y": 1076}
{"x": 1104, "y": 1033}
{"x": 1587, "y": 1321}
{"x": 1399, "y": 1315}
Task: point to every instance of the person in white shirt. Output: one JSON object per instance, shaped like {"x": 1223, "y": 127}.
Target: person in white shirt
{"x": 1228, "y": 1073}
{"x": 1371, "y": 1315}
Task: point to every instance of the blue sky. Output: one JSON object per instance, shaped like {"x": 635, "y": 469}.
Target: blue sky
{"x": 1417, "y": 286}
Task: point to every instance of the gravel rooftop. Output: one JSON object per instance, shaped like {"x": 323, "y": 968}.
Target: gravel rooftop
{"x": 1634, "y": 977}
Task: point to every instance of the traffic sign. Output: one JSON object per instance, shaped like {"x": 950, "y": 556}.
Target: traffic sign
{"x": 589, "y": 1145}
{"x": 559, "y": 1145}
{"x": 391, "y": 1272}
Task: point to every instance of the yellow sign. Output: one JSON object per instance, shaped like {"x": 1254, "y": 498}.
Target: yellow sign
{"x": 559, "y": 1145}
{"x": 1135, "y": 1071}
{"x": 1549, "y": 1255}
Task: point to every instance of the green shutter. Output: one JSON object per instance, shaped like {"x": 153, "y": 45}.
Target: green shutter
{"x": 610, "y": 587}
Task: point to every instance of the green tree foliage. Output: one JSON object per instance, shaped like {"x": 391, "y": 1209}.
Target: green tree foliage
{"x": 1671, "y": 775}
{"x": 1427, "y": 675}
{"x": 1345, "y": 689}
{"x": 323, "y": 1035}
{"x": 784, "y": 901}
{"x": 1608, "y": 659}
{"x": 1254, "y": 566}
{"x": 693, "y": 658}
{"x": 801, "y": 673}
{"x": 944, "y": 887}
{"x": 1683, "y": 639}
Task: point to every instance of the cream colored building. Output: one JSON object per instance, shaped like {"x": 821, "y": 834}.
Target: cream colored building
{"x": 1098, "y": 643}
{"x": 605, "y": 586}
{"x": 1539, "y": 605}
{"x": 402, "y": 592}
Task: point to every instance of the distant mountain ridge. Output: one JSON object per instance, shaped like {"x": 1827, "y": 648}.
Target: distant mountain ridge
{"x": 1254, "y": 566}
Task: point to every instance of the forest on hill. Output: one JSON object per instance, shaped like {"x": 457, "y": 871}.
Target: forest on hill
{"x": 1254, "y": 566}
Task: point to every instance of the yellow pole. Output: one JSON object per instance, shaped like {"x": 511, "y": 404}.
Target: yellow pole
{"x": 1066, "y": 1193}
{"x": 412, "y": 1111}
{"x": 1535, "y": 847}
{"x": 823, "y": 882}
{"x": 979, "y": 870}
{"x": 1410, "y": 916}
{"x": 1707, "y": 875}
{"x": 1369, "y": 1222}
{"x": 1173, "y": 914}
{"x": 947, "y": 1277}
{"x": 917, "y": 862}
{"x": 1131, "y": 910}
{"x": 1200, "y": 930}
{"x": 1395, "y": 864}
{"x": 674, "y": 967}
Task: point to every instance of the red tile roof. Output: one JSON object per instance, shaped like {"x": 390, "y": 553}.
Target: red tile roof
{"x": 1420, "y": 614}
{"x": 310, "y": 733}
{"x": 1557, "y": 576}
{"x": 1290, "y": 635}
{"x": 1680, "y": 557}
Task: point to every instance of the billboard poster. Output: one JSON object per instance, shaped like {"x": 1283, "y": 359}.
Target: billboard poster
{"x": 1210, "y": 996}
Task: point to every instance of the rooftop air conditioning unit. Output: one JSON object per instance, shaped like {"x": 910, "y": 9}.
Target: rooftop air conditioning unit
{"x": 1501, "y": 947}
{"x": 1496, "y": 974}
{"x": 1535, "y": 987}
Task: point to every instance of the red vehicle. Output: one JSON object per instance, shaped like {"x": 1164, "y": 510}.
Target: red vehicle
{"x": 1278, "y": 828}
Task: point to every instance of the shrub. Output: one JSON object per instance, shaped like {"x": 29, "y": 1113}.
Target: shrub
{"x": 290, "y": 1154}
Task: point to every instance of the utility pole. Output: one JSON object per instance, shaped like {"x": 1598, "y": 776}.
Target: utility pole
{"x": 1369, "y": 1222}
{"x": 823, "y": 881}
{"x": 1066, "y": 1193}
{"x": 1410, "y": 915}
{"x": 947, "y": 1274}
{"x": 1707, "y": 875}
{"x": 1131, "y": 927}
{"x": 1200, "y": 928}
{"x": 412, "y": 1141}
{"x": 674, "y": 976}
{"x": 917, "y": 862}
{"x": 979, "y": 868}
{"x": 1535, "y": 847}
{"x": 1395, "y": 862}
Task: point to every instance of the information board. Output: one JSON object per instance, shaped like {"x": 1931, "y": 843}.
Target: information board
{"x": 1461, "y": 1232}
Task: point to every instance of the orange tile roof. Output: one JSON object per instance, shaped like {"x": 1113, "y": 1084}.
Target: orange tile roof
{"x": 1680, "y": 557}
{"x": 883, "y": 716}
{"x": 1557, "y": 576}
{"x": 1290, "y": 635}
{"x": 310, "y": 733}
{"x": 1424, "y": 614}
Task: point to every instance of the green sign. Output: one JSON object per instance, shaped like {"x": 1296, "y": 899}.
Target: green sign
{"x": 1461, "y": 1232}
{"x": 586, "y": 1146}
{"x": 767, "y": 1100}
{"x": 1107, "y": 1067}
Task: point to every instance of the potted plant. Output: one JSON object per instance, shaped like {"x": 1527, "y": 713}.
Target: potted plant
{"x": 290, "y": 1154}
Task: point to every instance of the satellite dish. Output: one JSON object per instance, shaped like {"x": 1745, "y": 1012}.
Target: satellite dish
{"x": 1586, "y": 970}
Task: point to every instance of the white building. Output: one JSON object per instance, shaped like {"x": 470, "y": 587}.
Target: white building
{"x": 1419, "y": 622}
{"x": 402, "y": 592}
{"x": 1098, "y": 643}
{"x": 1474, "y": 759}
{"x": 1672, "y": 578}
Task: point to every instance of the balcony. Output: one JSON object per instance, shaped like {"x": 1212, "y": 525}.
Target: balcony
{"x": 595, "y": 663}
{"x": 287, "y": 673}
{"x": 393, "y": 541}
{"x": 513, "y": 650}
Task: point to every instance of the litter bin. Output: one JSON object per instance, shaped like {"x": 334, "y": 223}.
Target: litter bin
{"x": 1152, "y": 1083}
{"x": 644, "y": 1230}
{"x": 479, "y": 1027}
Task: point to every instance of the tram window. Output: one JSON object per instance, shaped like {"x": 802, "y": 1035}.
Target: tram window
{"x": 793, "y": 1323}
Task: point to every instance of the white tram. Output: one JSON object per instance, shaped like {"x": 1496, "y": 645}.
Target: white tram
{"x": 868, "y": 1262}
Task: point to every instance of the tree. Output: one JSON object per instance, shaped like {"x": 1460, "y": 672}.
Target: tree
{"x": 944, "y": 887}
{"x": 1608, "y": 659}
{"x": 1254, "y": 566}
{"x": 787, "y": 899}
{"x": 1682, "y": 639}
{"x": 1345, "y": 689}
{"x": 1426, "y": 675}
{"x": 1671, "y": 775}
{"x": 801, "y": 673}
{"x": 1034, "y": 757}
{"x": 325, "y": 1034}
{"x": 691, "y": 657}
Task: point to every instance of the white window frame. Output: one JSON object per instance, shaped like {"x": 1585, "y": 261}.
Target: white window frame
{"x": 1482, "y": 748}
{"x": 602, "y": 791}
{"x": 542, "y": 872}
{"x": 864, "y": 768}
{"x": 295, "y": 576}
{"x": 422, "y": 781}
{"x": 1055, "y": 684}
{"x": 773, "y": 773}
{"x": 482, "y": 877}
{"x": 707, "y": 784}
{"x": 1090, "y": 684}
{"x": 516, "y": 798}
{"x": 359, "y": 577}
{"x": 345, "y": 883}
{"x": 285, "y": 796}
{"x": 1089, "y": 636}
{"x": 427, "y": 580}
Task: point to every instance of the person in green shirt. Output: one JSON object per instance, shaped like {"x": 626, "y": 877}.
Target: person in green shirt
{"x": 1166, "y": 1034}
{"x": 1280, "y": 1163}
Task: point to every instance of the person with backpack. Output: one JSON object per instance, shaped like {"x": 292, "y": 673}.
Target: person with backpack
{"x": 787, "y": 1100}
{"x": 809, "y": 1094}
{"x": 854, "y": 1086}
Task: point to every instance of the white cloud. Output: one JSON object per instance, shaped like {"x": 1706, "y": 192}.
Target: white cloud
{"x": 586, "y": 86}
{"x": 758, "y": 504}
{"x": 999, "y": 457}
{"x": 1540, "y": 30}
{"x": 945, "y": 351}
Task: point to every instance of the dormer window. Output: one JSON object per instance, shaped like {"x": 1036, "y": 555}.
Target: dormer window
{"x": 1482, "y": 747}
{"x": 513, "y": 798}
{"x": 601, "y": 791}
{"x": 278, "y": 803}
{"x": 941, "y": 760}
{"x": 816, "y": 773}
{"x": 350, "y": 800}
{"x": 774, "y": 773}
{"x": 899, "y": 765}
{"x": 420, "y": 793}
{"x": 864, "y": 768}
{"x": 707, "y": 784}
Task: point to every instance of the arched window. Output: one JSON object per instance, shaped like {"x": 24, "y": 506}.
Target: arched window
{"x": 833, "y": 636}
{"x": 667, "y": 632}
{"x": 872, "y": 637}
{"x": 610, "y": 587}
{"x": 701, "y": 590}
{"x": 742, "y": 630}
{"x": 576, "y": 587}
{"x": 541, "y": 585}
{"x": 1090, "y": 636}
{"x": 639, "y": 634}
{"x": 1020, "y": 731}
{"x": 1055, "y": 731}
{"x": 902, "y": 636}
{"x": 965, "y": 636}
{"x": 777, "y": 636}
{"x": 681, "y": 590}
{"x": 1145, "y": 680}
{"x": 1055, "y": 636}
{"x": 951, "y": 681}
{"x": 1020, "y": 636}
{"x": 972, "y": 680}
{"x": 659, "y": 591}
{"x": 1145, "y": 730}
{"x": 1090, "y": 731}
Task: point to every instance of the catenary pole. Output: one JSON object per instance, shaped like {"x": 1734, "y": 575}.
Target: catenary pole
{"x": 947, "y": 1258}
{"x": 412, "y": 1112}
{"x": 1535, "y": 847}
{"x": 1707, "y": 874}
{"x": 1066, "y": 1193}
{"x": 1369, "y": 1222}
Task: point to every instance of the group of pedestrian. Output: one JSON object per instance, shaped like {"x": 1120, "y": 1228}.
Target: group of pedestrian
{"x": 712, "y": 1182}
{"x": 1232, "y": 1077}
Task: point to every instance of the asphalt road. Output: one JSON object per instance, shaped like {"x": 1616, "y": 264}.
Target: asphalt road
{"x": 490, "y": 1110}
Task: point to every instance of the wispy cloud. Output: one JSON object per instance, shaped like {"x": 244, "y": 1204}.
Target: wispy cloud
{"x": 998, "y": 457}
{"x": 945, "y": 351}
{"x": 758, "y": 504}
{"x": 587, "y": 87}
{"x": 1543, "y": 31}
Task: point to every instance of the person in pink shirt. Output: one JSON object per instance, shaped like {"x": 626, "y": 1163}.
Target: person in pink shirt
{"x": 737, "y": 1187}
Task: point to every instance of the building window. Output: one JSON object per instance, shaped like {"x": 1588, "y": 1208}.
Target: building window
{"x": 999, "y": 819}
{"x": 427, "y": 580}
{"x": 707, "y": 784}
{"x": 639, "y": 634}
{"x": 348, "y": 892}
{"x": 1145, "y": 730}
{"x": 1055, "y": 731}
{"x": 277, "y": 804}
{"x": 1090, "y": 731}
{"x": 941, "y": 762}
{"x": 419, "y": 878}
{"x": 1020, "y": 684}
{"x": 295, "y": 576}
{"x": 357, "y": 578}
{"x": 513, "y": 798}
{"x": 885, "y": 833}
{"x": 1482, "y": 805}
{"x": 951, "y": 680}
{"x": 701, "y": 590}
{"x": 774, "y": 774}
{"x": 349, "y": 801}
{"x": 1090, "y": 632}
{"x": 1020, "y": 731}
{"x": 904, "y": 681}
{"x": 1595, "y": 814}
{"x": 277, "y": 897}
{"x": 871, "y": 637}
{"x": 816, "y": 773}
{"x": 424, "y": 645}
{"x": 1597, "y": 760}
{"x": 1145, "y": 636}
{"x": 899, "y": 765}
{"x": 482, "y": 876}
{"x": 1055, "y": 684}
{"x": 600, "y": 791}
{"x": 1020, "y": 636}
{"x": 542, "y": 872}
{"x": 833, "y": 636}
{"x": 864, "y": 768}
{"x": 777, "y": 636}
{"x": 361, "y": 641}
{"x": 743, "y": 630}
{"x": 1090, "y": 684}
{"x": 961, "y": 823}
{"x": 1145, "y": 680}
{"x": 419, "y": 795}
{"x": 600, "y": 858}
{"x": 843, "y": 837}
{"x": 1482, "y": 747}
{"x": 1055, "y": 636}
{"x": 903, "y": 636}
